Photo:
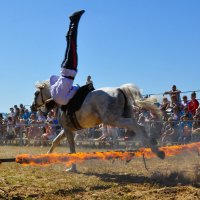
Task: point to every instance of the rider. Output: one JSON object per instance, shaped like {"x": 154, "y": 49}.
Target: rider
{"x": 61, "y": 87}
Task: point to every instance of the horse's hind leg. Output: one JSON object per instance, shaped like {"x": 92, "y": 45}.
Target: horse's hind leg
{"x": 70, "y": 139}
{"x": 132, "y": 125}
{"x": 56, "y": 141}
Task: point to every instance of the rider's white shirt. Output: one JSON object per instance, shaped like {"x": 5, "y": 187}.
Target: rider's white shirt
{"x": 62, "y": 89}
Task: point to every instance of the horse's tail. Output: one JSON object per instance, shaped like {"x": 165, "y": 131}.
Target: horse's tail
{"x": 134, "y": 98}
{"x": 131, "y": 93}
{"x": 149, "y": 104}
{"x": 156, "y": 123}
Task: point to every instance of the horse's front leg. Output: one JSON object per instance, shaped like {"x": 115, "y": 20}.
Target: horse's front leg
{"x": 57, "y": 140}
{"x": 70, "y": 139}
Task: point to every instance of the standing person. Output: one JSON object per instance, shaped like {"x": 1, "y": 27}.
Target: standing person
{"x": 16, "y": 110}
{"x": 62, "y": 89}
{"x": 12, "y": 113}
{"x": 21, "y": 107}
{"x": 174, "y": 91}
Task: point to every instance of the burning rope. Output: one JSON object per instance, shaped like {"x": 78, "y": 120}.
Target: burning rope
{"x": 46, "y": 159}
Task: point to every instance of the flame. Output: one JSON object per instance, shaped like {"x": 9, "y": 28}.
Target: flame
{"x": 169, "y": 150}
{"x": 46, "y": 159}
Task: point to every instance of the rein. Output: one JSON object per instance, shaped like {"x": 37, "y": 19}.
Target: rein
{"x": 42, "y": 97}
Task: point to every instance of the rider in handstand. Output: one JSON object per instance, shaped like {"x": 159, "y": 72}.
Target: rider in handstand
{"x": 61, "y": 87}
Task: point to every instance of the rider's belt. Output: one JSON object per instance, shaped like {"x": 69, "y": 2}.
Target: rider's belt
{"x": 69, "y": 77}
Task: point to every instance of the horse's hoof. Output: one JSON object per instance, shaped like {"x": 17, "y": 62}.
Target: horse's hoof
{"x": 161, "y": 154}
{"x": 72, "y": 169}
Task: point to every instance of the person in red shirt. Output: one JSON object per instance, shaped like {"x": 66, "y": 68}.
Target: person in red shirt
{"x": 193, "y": 104}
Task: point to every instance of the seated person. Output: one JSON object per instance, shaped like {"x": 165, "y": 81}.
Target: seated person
{"x": 40, "y": 117}
{"x": 104, "y": 132}
{"x": 186, "y": 116}
{"x": 50, "y": 116}
{"x": 164, "y": 106}
{"x": 34, "y": 131}
{"x": 175, "y": 115}
{"x": 171, "y": 132}
{"x": 186, "y": 134}
{"x": 49, "y": 134}
{"x": 10, "y": 130}
{"x": 2, "y": 126}
{"x": 174, "y": 102}
{"x": 89, "y": 80}
{"x": 193, "y": 104}
{"x": 18, "y": 126}
{"x": 196, "y": 124}
{"x": 184, "y": 102}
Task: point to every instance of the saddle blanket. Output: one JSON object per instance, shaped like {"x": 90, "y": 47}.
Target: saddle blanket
{"x": 76, "y": 102}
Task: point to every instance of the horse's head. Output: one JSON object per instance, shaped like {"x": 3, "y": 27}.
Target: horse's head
{"x": 42, "y": 96}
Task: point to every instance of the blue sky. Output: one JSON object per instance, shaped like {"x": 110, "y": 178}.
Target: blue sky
{"x": 151, "y": 43}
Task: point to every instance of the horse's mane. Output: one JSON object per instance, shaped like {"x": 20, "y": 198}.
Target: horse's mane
{"x": 42, "y": 84}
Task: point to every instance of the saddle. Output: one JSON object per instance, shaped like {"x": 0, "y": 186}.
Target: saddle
{"x": 76, "y": 102}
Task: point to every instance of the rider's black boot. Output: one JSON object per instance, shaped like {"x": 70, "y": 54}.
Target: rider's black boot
{"x": 71, "y": 58}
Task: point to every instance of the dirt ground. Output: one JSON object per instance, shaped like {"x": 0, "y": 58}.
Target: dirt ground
{"x": 173, "y": 178}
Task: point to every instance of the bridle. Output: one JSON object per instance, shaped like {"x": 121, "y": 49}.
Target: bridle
{"x": 36, "y": 96}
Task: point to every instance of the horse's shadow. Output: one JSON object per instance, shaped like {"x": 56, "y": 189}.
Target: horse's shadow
{"x": 170, "y": 180}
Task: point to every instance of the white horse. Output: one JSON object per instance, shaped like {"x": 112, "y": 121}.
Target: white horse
{"x": 111, "y": 106}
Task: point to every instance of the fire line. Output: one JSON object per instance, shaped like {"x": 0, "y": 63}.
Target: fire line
{"x": 47, "y": 159}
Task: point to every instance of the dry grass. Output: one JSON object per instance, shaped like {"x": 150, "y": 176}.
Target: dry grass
{"x": 173, "y": 178}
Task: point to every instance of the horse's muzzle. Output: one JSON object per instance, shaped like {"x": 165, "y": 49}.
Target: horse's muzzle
{"x": 50, "y": 104}
{"x": 33, "y": 108}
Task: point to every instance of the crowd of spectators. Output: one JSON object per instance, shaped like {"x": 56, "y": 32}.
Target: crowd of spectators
{"x": 181, "y": 117}
{"x": 181, "y": 122}
{"x": 38, "y": 127}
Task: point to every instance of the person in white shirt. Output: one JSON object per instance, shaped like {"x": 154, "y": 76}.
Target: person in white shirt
{"x": 62, "y": 88}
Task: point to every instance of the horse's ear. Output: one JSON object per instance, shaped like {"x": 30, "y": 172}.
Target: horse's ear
{"x": 41, "y": 87}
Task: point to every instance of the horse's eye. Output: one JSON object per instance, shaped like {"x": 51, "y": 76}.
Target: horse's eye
{"x": 36, "y": 93}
